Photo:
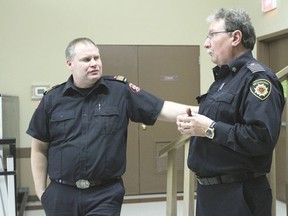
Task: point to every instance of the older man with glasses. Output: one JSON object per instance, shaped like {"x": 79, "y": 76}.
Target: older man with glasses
{"x": 238, "y": 124}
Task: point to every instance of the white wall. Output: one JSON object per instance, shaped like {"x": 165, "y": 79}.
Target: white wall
{"x": 34, "y": 34}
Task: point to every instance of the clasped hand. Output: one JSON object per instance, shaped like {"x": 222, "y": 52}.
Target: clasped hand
{"x": 193, "y": 124}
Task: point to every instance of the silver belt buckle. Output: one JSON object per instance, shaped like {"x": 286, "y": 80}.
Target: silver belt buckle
{"x": 82, "y": 184}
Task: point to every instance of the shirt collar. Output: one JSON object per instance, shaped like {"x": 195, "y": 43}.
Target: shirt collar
{"x": 232, "y": 67}
{"x": 71, "y": 89}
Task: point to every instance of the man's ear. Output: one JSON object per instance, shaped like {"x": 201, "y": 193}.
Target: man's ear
{"x": 69, "y": 65}
{"x": 237, "y": 37}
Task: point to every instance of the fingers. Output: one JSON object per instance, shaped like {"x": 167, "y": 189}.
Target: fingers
{"x": 188, "y": 111}
{"x": 184, "y": 126}
{"x": 180, "y": 128}
{"x": 184, "y": 122}
{"x": 194, "y": 125}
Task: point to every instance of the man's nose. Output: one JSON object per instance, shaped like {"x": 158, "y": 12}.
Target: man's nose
{"x": 206, "y": 43}
{"x": 93, "y": 62}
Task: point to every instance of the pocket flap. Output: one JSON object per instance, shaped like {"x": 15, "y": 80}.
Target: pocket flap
{"x": 62, "y": 116}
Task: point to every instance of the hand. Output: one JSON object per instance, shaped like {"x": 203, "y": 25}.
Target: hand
{"x": 39, "y": 194}
{"x": 194, "y": 125}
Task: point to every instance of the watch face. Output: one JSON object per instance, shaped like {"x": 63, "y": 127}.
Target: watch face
{"x": 210, "y": 133}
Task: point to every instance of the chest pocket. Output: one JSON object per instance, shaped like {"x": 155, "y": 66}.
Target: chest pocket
{"x": 107, "y": 119}
{"x": 60, "y": 124}
{"x": 224, "y": 97}
{"x": 219, "y": 105}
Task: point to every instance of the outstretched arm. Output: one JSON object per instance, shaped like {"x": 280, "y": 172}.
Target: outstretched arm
{"x": 171, "y": 110}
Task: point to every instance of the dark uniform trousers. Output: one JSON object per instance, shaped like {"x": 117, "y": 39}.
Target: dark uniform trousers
{"x": 248, "y": 198}
{"x": 65, "y": 200}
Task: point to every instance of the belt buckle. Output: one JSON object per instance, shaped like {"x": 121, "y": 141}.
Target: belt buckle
{"x": 202, "y": 181}
{"x": 82, "y": 184}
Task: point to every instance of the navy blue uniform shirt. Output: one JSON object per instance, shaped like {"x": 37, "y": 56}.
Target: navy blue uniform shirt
{"x": 246, "y": 102}
{"x": 87, "y": 131}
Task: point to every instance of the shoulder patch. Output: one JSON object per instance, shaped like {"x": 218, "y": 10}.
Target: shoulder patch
{"x": 255, "y": 67}
{"x": 134, "y": 88}
{"x": 261, "y": 88}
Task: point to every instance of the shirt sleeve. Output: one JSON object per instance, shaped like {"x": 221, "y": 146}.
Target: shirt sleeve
{"x": 258, "y": 130}
{"x": 38, "y": 127}
{"x": 142, "y": 106}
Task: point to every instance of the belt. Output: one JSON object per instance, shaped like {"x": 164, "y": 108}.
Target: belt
{"x": 85, "y": 184}
{"x": 228, "y": 178}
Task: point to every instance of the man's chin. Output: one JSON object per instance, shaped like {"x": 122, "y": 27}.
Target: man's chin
{"x": 95, "y": 77}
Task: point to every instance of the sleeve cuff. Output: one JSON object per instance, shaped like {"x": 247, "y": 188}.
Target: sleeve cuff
{"x": 222, "y": 131}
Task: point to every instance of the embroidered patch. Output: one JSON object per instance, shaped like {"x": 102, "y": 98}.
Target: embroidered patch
{"x": 134, "y": 88}
{"x": 261, "y": 88}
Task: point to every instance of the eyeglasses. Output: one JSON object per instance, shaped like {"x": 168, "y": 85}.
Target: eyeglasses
{"x": 210, "y": 35}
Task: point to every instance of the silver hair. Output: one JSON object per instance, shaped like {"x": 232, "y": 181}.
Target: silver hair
{"x": 237, "y": 19}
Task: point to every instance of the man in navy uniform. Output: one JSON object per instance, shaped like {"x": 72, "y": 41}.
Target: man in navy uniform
{"x": 79, "y": 135}
{"x": 238, "y": 124}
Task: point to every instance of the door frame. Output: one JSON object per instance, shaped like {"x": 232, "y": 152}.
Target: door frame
{"x": 263, "y": 55}
{"x": 263, "y": 44}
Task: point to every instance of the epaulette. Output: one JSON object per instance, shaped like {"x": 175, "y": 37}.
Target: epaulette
{"x": 255, "y": 67}
{"x": 120, "y": 78}
{"x": 53, "y": 87}
{"x": 117, "y": 78}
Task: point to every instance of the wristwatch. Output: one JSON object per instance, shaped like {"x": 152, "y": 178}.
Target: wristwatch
{"x": 210, "y": 131}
